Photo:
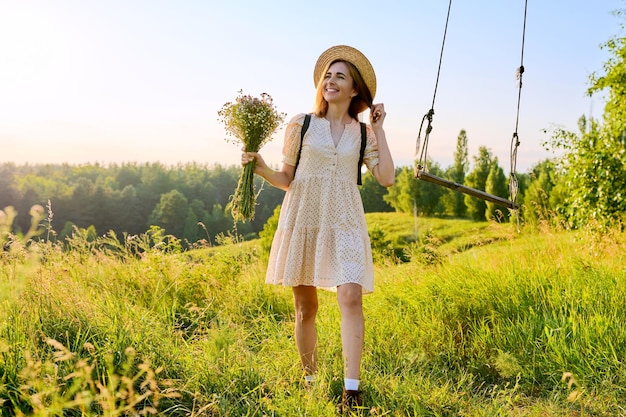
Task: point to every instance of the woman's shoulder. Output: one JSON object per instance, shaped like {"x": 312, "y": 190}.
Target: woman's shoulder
{"x": 298, "y": 119}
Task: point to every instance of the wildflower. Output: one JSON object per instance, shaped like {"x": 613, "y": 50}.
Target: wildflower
{"x": 252, "y": 121}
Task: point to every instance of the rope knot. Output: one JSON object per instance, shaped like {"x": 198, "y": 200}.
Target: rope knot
{"x": 518, "y": 75}
{"x": 516, "y": 139}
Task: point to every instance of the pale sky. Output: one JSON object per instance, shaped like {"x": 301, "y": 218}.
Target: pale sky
{"x": 85, "y": 81}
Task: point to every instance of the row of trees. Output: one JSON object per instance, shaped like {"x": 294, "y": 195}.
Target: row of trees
{"x": 188, "y": 201}
{"x": 191, "y": 201}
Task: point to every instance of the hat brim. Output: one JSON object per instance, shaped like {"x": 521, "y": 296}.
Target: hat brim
{"x": 353, "y": 56}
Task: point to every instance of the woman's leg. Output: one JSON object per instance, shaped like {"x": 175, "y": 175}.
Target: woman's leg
{"x": 350, "y": 298}
{"x": 305, "y": 302}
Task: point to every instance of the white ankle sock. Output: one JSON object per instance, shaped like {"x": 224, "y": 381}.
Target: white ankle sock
{"x": 309, "y": 378}
{"x": 351, "y": 384}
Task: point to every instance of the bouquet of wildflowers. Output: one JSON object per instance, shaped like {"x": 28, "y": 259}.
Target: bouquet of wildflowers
{"x": 252, "y": 121}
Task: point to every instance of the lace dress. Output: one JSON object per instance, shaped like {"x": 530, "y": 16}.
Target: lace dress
{"x": 322, "y": 239}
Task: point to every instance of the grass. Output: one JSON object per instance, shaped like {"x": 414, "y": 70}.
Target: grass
{"x": 482, "y": 321}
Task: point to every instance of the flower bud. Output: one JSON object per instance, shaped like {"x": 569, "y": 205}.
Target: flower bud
{"x": 36, "y": 211}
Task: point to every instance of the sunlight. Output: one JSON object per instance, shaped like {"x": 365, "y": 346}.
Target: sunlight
{"x": 37, "y": 58}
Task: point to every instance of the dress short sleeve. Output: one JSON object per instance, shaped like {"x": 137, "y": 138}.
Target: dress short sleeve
{"x": 291, "y": 146}
{"x": 370, "y": 157}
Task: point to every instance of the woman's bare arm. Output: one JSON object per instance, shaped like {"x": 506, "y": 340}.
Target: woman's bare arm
{"x": 279, "y": 179}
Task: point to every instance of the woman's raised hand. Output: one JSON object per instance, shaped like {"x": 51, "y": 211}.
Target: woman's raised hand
{"x": 377, "y": 115}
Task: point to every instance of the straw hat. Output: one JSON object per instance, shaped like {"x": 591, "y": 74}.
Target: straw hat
{"x": 353, "y": 56}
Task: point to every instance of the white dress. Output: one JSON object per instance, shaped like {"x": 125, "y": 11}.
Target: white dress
{"x": 322, "y": 238}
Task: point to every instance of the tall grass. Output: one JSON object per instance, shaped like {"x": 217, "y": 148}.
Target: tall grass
{"x": 482, "y": 321}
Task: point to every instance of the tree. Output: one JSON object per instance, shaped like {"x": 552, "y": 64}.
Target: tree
{"x": 83, "y": 211}
{"x": 609, "y": 163}
{"x": 191, "y": 232}
{"x": 401, "y": 195}
{"x": 130, "y": 217}
{"x": 458, "y": 172}
{"x": 613, "y": 80}
{"x": 128, "y": 175}
{"x": 409, "y": 193}
{"x": 170, "y": 213}
{"x": 496, "y": 185}
{"x": 542, "y": 200}
{"x": 8, "y": 195}
{"x": 224, "y": 182}
{"x": 429, "y": 197}
{"x": 594, "y": 172}
{"x": 477, "y": 178}
{"x": 594, "y": 162}
{"x": 155, "y": 181}
{"x": 217, "y": 222}
{"x": 372, "y": 195}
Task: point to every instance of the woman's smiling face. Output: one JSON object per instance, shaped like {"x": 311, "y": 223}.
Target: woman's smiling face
{"x": 338, "y": 84}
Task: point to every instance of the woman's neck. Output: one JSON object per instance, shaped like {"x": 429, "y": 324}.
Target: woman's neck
{"x": 338, "y": 115}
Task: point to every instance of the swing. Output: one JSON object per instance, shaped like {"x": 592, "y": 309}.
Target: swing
{"x": 421, "y": 171}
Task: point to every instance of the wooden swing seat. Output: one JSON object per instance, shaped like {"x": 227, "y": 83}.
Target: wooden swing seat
{"x": 421, "y": 174}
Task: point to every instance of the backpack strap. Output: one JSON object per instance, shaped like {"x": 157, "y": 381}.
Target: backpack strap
{"x": 305, "y": 126}
{"x": 362, "y": 152}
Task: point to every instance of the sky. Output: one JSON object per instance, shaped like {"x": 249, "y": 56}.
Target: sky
{"x": 116, "y": 81}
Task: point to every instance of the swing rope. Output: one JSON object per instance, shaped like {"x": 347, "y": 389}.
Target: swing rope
{"x": 429, "y": 115}
{"x": 513, "y": 182}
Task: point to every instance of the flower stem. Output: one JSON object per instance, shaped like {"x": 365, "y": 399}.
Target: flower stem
{"x": 243, "y": 202}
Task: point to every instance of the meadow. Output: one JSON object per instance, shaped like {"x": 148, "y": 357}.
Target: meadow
{"x": 467, "y": 319}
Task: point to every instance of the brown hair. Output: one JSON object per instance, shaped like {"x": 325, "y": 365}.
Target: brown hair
{"x": 359, "y": 103}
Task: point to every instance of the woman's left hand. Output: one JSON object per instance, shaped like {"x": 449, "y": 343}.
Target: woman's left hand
{"x": 377, "y": 115}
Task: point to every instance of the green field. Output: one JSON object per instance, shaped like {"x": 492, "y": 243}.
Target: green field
{"x": 467, "y": 319}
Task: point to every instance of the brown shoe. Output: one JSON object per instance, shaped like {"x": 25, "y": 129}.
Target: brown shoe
{"x": 350, "y": 400}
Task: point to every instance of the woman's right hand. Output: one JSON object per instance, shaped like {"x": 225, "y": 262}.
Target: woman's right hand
{"x": 247, "y": 157}
{"x": 279, "y": 179}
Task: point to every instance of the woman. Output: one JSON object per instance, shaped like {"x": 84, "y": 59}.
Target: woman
{"x": 322, "y": 240}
